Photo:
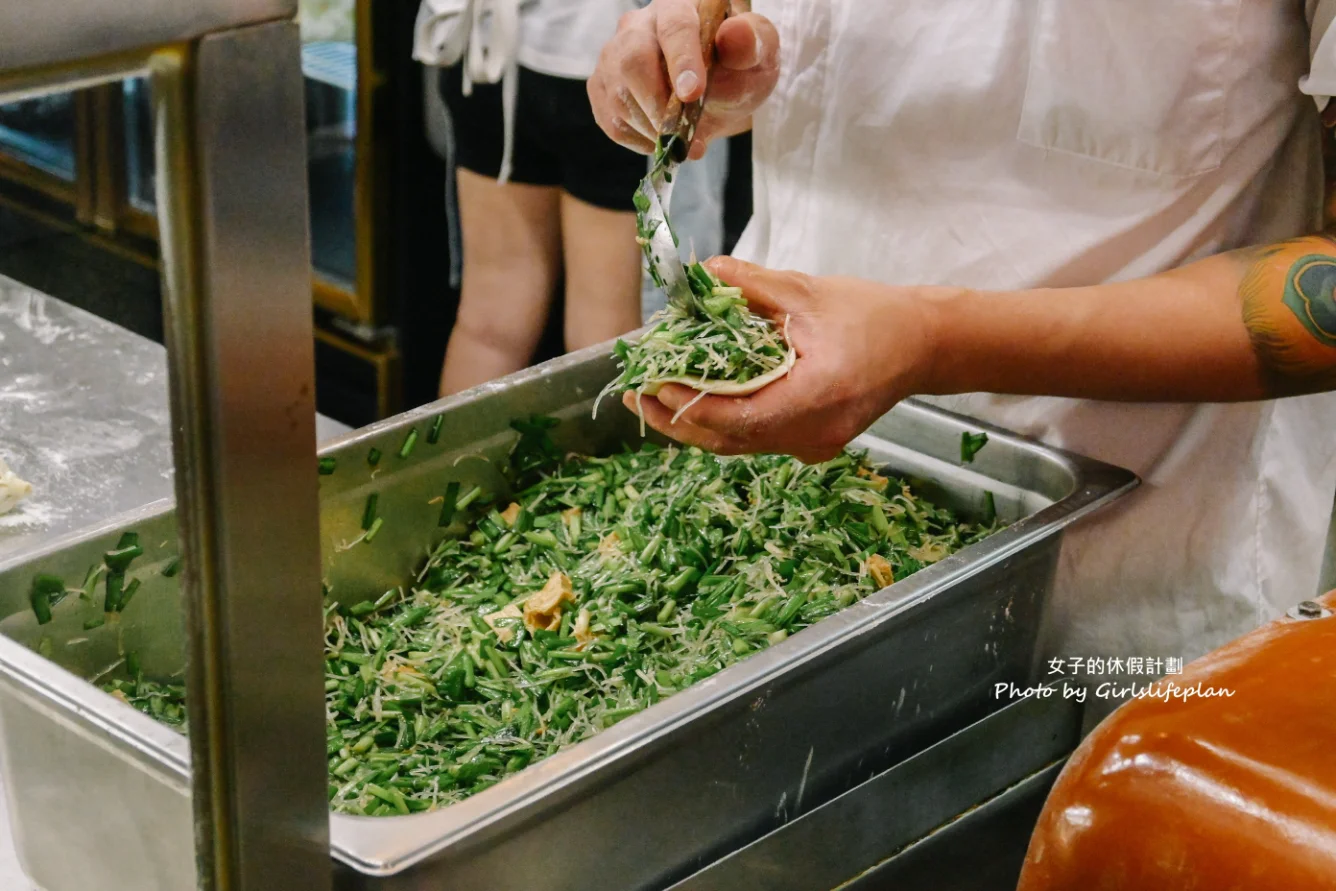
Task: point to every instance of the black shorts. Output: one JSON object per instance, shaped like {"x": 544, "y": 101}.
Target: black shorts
{"x": 557, "y": 141}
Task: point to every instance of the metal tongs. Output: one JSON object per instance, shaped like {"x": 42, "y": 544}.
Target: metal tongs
{"x": 652, "y": 199}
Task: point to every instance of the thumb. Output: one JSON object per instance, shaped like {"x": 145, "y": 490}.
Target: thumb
{"x": 768, "y": 292}
{"x": 747, "y": 41}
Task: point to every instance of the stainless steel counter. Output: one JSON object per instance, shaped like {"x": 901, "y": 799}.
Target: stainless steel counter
{"x": 83, "y": 417}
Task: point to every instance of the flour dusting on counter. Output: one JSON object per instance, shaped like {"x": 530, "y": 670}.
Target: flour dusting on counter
{"x": 83, "y": 408}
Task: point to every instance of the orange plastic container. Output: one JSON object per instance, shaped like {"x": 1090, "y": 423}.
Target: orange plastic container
{"x": 1234, "y": 792}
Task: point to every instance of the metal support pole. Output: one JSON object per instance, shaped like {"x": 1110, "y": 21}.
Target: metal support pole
{"x": 1327, "y": 577}
{"x": 232, "y": 206}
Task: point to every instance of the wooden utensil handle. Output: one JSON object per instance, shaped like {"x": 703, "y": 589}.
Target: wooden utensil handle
{"x": 712, "y": 15}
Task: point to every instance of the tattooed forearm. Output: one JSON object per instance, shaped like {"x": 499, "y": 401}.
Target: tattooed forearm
{"x": 1289, "y": 307}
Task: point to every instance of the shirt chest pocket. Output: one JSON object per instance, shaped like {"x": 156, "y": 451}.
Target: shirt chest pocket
{"x": 1140, "y": 84}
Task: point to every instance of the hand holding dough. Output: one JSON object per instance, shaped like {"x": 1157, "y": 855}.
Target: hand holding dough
{"x": 12, "y": 489}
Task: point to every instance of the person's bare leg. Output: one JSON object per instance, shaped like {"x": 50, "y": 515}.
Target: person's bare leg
{"x": 512, "y": 255}
{"x": 602, "y": 272}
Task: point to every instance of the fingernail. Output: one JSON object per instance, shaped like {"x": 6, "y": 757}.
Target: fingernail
{"x": 686, "y": 82}
{"x": 760, "y": 49}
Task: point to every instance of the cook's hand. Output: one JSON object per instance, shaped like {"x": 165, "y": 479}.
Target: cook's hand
{"x": 861, "y": 348}
{"x": 656, "y": 52}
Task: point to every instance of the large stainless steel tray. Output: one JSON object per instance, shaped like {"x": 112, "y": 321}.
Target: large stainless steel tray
{"x": 100, "y": 792}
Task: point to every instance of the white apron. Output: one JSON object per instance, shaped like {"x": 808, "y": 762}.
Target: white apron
{"x": 1022, "y": 143}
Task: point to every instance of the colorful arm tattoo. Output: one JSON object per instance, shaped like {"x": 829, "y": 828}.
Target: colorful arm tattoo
{"x": 1289, "y": 309}
{"x": 1289, "y": 298}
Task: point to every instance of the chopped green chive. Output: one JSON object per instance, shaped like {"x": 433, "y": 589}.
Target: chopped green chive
{"x": 710, "y": 337}
{"x": 989, "y": 509}
{"x": 409, "y": 442}
{"x": 127, "y": 549}
{"x": 115, "y": 591}
{"x": 970, "y": 444}
{"x": 374, "y": 529}
{"x": 47, "y": 590}
{"x": 449, "y": 504}
{"x": 129, "y": 592}
{"x": 612, "y": 583}
{"x": 468, "y": 497}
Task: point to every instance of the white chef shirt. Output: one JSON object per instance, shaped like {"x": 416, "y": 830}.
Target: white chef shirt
{"x": 1024, "y": 143}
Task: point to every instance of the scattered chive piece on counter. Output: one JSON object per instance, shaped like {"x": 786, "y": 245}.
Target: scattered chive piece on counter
{"x": 970, "y": 444}
{"x": 95, "y": 622}
{"x": 434, "y": 434}
{"x": 369, "y": 512}
{"x": 132, "y": 664}
{"x": 608, "y": 584}
{"x": 409, "y": 442}
{"x": 171, "y": 569}
{"x": 373, "y": 456}
{"x": 327, "y": 466}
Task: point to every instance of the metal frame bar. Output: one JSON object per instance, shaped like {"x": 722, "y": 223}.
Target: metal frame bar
{"x": 1327, "y": 576}
{"x": 44, "y": 183}
{"x": 236, "y": 284}
{"x": 86, "y": 166}
{"x": 368, "y": 178}
{"x": 34, "y": 34}
{"x": 107, "y": 164}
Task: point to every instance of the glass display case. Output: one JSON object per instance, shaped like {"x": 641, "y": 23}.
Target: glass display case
{"x": 139, "y": 168}
{"x": 40, "y": 133}
{"x": 78, "y": 167}
{"x": 329, "y": 63}
{"x": 331, "y": 132}
{"x": 41, "y": 142}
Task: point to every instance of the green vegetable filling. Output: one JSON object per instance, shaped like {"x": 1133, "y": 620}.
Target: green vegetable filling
{"x": 715, "y": 339}
{"x": 609, "y": 584}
